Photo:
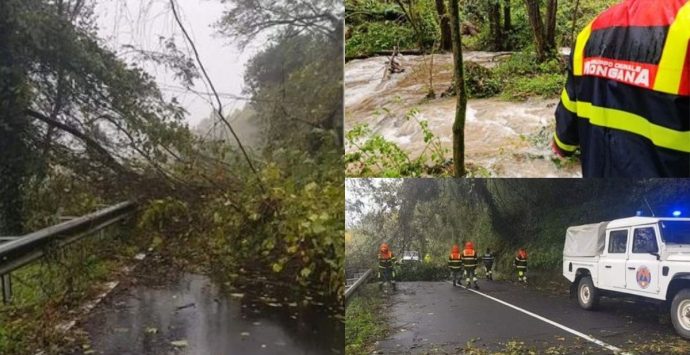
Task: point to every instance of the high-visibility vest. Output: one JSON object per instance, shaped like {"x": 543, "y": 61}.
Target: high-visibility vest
{"x": 469, "y": 258}
{"x": 386, "y": 261}
{"x": 455, "y": 262}
{"x": 626, "y": 103}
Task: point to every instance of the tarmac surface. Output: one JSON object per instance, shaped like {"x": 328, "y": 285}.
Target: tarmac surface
{"x": 435, "y": 317}
{"x": 189, "y": 315}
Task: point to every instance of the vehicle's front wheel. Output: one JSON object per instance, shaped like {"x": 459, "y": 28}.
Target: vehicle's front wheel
{"x": 680, "y": 313}
{"x": 587, "y": 294}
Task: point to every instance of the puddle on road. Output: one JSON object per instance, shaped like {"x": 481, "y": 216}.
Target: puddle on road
{"x": 194, "y": 314}
{"x": 509, "y": 139}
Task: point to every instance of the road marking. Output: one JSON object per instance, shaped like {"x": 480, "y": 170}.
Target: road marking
{"x": 90, "y": 305}
{"x": 546, "y": 320}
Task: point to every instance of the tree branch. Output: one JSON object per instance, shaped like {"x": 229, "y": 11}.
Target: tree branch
{"x": 219, "y": 109}
{"x": 90, "y": 142}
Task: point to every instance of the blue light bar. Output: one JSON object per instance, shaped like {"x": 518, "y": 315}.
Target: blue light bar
{"x": 676, "y": 213}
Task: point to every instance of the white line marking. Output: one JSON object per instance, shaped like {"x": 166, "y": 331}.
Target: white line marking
{"x": 546, "y": 320}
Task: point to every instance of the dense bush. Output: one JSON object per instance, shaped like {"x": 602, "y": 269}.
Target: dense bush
{"x": 375, "y": 26}
{"x": 522, "y": 76}
{"x": 480, "y": 81}
{"x": 546, "y": 85}
{"x": 369, "y": 38}
{"x": 423, "y": 272}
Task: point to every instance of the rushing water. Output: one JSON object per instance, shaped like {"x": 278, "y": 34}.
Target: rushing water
{"x": 192, "y": 316}
{"x": 510, "y": 139}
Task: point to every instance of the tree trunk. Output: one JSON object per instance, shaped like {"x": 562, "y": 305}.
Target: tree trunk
{"x": 535, "y": 20}
{"x": 461, "y": 105}
{"x": 551, "y": 13}
{"x": 572, "y": 31}
{"x": 444, "y": 24}
{"x": 507, "y": 20}
{"x": 495, "y": 30}
{"x": 15, "y": 127}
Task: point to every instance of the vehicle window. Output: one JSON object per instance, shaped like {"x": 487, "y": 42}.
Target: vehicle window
{"x": 644, "y": 241}
{"x": 675, "y": 232}
{"x": 618, "y": 241}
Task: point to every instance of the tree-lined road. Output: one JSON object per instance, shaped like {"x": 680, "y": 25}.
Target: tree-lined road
{"x": 435, "y": 316}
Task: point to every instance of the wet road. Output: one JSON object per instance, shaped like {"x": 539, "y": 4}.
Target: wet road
{"x": 434, "y": 316}
{"x": 191, "y": 316}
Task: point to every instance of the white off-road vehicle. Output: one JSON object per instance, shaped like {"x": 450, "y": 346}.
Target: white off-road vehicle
{"x": 410, "y": 256}
{"x": 640, "y": 257}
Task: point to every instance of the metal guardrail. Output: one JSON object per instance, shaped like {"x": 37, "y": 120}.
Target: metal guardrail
{"x": 352, "y": 284}
{"x": 19, "y": 251}
{"x": 8, "y": 239}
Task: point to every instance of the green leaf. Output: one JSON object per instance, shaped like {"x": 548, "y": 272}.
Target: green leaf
{"x": 305, "y": 272}
{"x": 277, "y": 267}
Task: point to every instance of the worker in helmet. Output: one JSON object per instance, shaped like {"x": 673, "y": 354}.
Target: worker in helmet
{"x": 488, "y": 259}
{"x": 455, "y": 264}
{"x": 469, "y": 263}
{"x": 386, "y": 262}
{"x": 520, "y": 264}
{"x": 626, "y": 102}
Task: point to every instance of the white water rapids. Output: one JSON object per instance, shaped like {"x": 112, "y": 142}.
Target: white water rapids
{"x": 509, "y": 139}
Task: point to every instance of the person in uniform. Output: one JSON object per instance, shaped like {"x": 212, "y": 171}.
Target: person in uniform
{"x": 488, "y": 260}
{"x": 386, "y": 263}
{"x": 469, "y": 263}
{"x": 455, "y": 264}
{"x": 520, "y": 264}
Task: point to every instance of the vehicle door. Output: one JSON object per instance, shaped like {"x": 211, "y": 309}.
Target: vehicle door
{"x": 612, "y": 264}
{"x": 642, "y": 267}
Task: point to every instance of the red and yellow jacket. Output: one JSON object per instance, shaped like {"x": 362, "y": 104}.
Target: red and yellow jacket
{"x": 626, "y": 103}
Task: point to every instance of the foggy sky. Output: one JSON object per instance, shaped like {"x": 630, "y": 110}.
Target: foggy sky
{"x": 142, "y": 22}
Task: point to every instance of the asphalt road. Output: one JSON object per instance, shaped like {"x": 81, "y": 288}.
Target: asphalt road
{"x": 188, "y": 314}
{"x": 437, "y": 317}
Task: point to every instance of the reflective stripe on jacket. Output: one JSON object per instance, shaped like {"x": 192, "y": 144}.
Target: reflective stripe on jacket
{"x": 626, "y": 103}
{"x": 469, "y": 259}
{"x": 386, "y": 262}
{"x": 520, "y": 264}
{"x": 455, "y": 263}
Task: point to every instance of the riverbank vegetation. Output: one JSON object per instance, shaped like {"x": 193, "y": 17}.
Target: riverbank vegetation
{"x": 85, "y": 126}
{"x": 531, "y": 40}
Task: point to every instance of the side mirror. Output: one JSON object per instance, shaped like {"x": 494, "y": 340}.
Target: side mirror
{"x": 658, "y": 257}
